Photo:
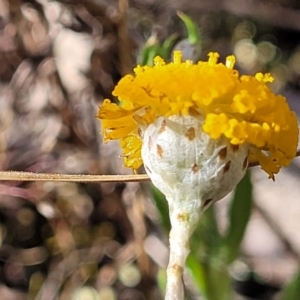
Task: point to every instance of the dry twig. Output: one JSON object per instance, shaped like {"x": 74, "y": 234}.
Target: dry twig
{"x": 29, "y": 176}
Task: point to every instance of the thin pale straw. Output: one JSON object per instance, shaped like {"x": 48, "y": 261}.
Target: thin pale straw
{"x": 29, "y": 176}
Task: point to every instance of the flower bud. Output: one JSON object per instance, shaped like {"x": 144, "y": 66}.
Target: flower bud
{"x": 186, "y": 164}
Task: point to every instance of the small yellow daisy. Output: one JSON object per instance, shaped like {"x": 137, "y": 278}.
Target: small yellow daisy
{"x": 242, "y": 109}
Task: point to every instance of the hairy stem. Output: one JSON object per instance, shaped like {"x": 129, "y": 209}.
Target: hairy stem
{"x": 183, "y": 221}
{"x": 175, "y": 287}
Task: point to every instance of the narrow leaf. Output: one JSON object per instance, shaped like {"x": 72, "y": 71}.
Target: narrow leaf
{"x": 165, "y": 49}
{"x": 292, "y": 290}
{"x": 198, "y": 272}
{"x": 162, "y": 207}
{"x": 148, "y": 52}
{"x": 192, "y": 29}
{"x": 239, "y": 215}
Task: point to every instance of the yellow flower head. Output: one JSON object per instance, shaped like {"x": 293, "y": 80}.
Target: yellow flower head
{"x": 242, "y": 109}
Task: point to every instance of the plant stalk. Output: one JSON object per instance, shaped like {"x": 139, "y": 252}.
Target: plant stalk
{"x": 183, "y": 217}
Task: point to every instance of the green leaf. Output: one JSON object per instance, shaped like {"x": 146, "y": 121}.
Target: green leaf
{"x": 205, "y": 243}
{"x": 192, "y": 29}
{"x": 206, "y": 239}
{"x": 239, "y": 215}
{"x": 147, "y": 54}
{"x": 198, "y": 272}
{"x": 162, "y": 280}
{"x": 292, "y": 290}
{"x": 162, "y": 207}
{"x": 152, "y": 48}
{"x": 165, "y": 49}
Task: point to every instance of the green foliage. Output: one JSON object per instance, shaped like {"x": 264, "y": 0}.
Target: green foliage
{"x": 198, "y": 272}
{"x": 153, "y": 47}
{"x": 292, "y": 290}
{"x": 162, "y": 206}
{"x": 192, "y": 28}
{"x": 239, "y": 214}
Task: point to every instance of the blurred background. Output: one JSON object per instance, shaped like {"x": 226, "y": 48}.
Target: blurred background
{"x": 58, "y": 61}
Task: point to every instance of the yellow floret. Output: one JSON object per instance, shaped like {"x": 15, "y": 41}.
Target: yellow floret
{"x": 241, "y": 108}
